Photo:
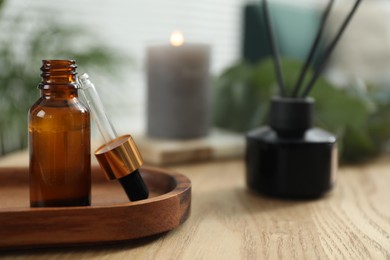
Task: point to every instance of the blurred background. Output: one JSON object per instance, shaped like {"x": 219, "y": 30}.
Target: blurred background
{"x": 109, "y": 39}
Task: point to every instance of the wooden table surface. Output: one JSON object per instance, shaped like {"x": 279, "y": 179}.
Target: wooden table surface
{"x": 230, "y": 222}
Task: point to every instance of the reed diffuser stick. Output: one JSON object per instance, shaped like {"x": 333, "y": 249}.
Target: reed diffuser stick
{"x": 274, "y": 49}
{"x": 329, "y": 50}
{"x": 313, "y": 49}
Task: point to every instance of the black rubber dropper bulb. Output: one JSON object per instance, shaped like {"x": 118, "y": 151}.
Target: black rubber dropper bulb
{"x": 134, "y": 186}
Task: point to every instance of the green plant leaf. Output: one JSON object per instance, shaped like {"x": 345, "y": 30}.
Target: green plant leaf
{"x": 336, "y": 108}
{"x": 357, "y": 145}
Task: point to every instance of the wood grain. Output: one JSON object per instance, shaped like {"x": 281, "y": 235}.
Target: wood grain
{"x": 230, "y": 222}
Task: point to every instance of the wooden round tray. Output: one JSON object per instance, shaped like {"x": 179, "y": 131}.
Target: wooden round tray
{"x": 110, "y": 218}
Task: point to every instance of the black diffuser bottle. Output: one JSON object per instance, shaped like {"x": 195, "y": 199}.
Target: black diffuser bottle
{"x": 289, "y": 158}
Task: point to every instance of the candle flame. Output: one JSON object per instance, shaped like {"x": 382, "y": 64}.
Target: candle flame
{"x": 177, "y": 38}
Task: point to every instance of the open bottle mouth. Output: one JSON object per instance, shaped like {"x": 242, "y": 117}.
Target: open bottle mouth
{"x": 55, "y": 67}
{"x": 58, "y": 72}
{"x": 291, "y": 117}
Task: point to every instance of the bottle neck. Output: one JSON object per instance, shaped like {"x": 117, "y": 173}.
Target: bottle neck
{"x": 59, "y": 92}
{"x": 291, "y": 117}
{"x": 58, "y": 79}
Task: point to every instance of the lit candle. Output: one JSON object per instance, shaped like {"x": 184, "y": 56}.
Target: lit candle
{"x": 178, "y": 100}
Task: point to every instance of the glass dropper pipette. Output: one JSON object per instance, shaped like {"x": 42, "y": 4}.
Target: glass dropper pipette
{"x": 119, "y": 156}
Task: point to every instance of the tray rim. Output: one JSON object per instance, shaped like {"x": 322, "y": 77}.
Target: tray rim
{"x": 179, "y": 198}
{"x": 185, "y": 181}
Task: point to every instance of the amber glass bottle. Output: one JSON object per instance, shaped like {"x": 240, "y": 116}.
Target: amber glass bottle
{"x": 59, "y": 140}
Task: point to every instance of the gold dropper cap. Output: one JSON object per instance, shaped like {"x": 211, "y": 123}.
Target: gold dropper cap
{"x": 119, "y": 157}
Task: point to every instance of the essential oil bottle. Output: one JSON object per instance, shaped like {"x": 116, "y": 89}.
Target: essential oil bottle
{"x": 59, "y": 140}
